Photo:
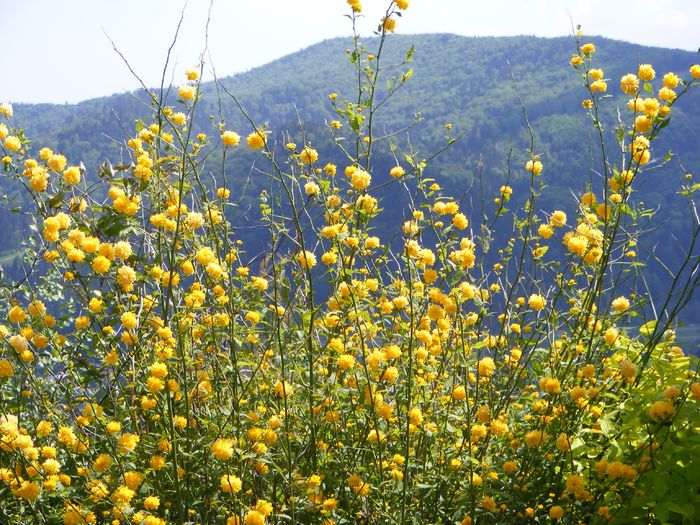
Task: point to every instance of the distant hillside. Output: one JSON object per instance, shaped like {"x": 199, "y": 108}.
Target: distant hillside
{"x": 467, "y": 82}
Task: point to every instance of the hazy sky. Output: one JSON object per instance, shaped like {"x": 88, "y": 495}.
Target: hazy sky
{"x": 57, "y": 51}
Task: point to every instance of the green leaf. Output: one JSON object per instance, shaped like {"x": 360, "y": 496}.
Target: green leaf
{"x": 647, "y": 328}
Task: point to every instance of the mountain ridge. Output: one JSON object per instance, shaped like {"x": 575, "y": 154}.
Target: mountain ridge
{"x": 464, "y": 81}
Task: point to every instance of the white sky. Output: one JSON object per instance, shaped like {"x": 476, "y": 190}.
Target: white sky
{"x": 57, "y": 51}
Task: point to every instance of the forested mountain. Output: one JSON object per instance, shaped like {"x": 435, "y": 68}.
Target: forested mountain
{"x": 467, "y": 82}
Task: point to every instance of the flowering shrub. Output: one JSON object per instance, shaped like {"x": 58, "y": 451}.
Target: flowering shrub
{"x": 153, "y": 375}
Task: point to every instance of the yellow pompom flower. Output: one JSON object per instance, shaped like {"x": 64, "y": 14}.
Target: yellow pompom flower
{"x": 257, "y": 139}
{"x": 662, "y": 410}
{"x": 629, "y": 84}
{"x": 12, "y": 143}
{"x": 588, "y": 49}
{"x": 599, "y": 86}
{"x": 397, "y": 172}
{"x": 556, "y": 512}
{"x": 576, "y": 60}
{"x": 646, "y": 72}
{"x": 306, "y": 259}
{"x": 460, "y": 221}
{"x": 486, "y": 367}
{"x": 230, "y": 138}
{"x": 57, "y": 162}
{"x": 192, "y": 73}
{"x": 101, "y": 264}
{"x": 620, "y": 304}
{"x": 311, "y": 188}
{"x": 558, "y": 219}
{"x": 127, "y": 443}
{"x": 360, "y": 179}
{"x": 151, "y": 503}
{"x": 535, "y": 166}
{"x": 230, "y": 483}
{"x": 283, "y": 389}
{"x": 545, "y": 231}
{"x": 308, "y": 155}
{"x": 536, "y": 302}
{"x": 671, "y": 80}
{"x": 187, "y": 92}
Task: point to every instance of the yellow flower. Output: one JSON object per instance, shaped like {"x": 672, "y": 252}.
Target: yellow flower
{"x": 509, "y": 467}
{"x": 558, "y": 219}
{"x": 283, "y": 389}
{"x": 57, "y": 162}
{"x": 646, "y": 72}
{"x": 620, "y": 304}
{"x": 329, "y": 258}
{"x": 151, "y": 503}
{"x": 186, "y": 92}
{"x": 306, "y": 259}
{"x": 629, "y": 84}
{"x": 545, "y": 231}
{"x": 179, "y": 118}
{"x": 596, "y": 74}
{"x": 643, "y": 124}
{"x": 460, "y": 221}
{"x": 29, "y": 490}
{"x": 257, "y": 139}
{"x": 563, "y": 443}
{"x": 535, "y": 438}
{"x": 222, "y": 449}
{"x": 695, "y": 70}
{"x": 127, "y": 443}
{"x": 330, "y": 169}
{"x": 662, "y": 410}
{"x": 6, "y": 109}
{"x": 230, "y": 138}
{"x": 486, "y": 367}
{"x": 346, "y": 361}
{"x": 355, "y": 5}
{"x": 389, "y": 24}
{"x": 587, "y": 49}
{"x": 556, "y": 512}
{"x": 102, "y": 463}
{"x": 535, "y": 166}
{"x": 488, "y": 503}
{"x": 599, "y": 86}
{"x": 360, "y": 179}
{"x": 192, "y": 73}
{"x": 671, "y": 80}
{"x": 101, "y": 264}
{"x": 311, "y": 188}
{"x": 231, "y": 483}
{"x": 358, "y": 485}
{"x": 397, "y": 172}
{"x": 12, "y": 143}
{"x": 401, "y": 4}
{"x": 308, "y": 155}
{"x": 550, "y": 385}
{"x": 536, "y": 302}
{"x": 254, "y": 517}
{"x": 157, "y": 462}
{"x": 6, "y": 369}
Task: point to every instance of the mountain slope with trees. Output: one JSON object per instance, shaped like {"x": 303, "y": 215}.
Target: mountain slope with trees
{"x": 470, "y": 83}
